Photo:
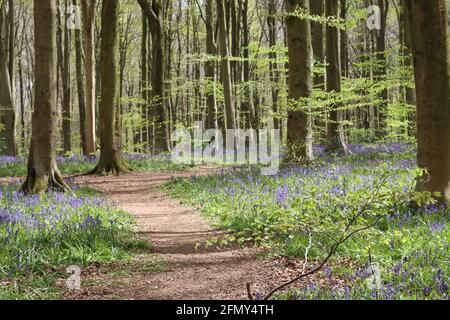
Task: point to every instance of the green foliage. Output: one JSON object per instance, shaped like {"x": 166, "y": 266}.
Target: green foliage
{"x": 306, "y": 210}
{"x": 41, "y": 236}
{"x": 16, "y": 166}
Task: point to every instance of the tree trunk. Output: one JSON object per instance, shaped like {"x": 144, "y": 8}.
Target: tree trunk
{"x": 144, "y": 81}
{"x": 247, "y": 103}
{"x": 430, "y": 48}
{"x": 7, "y": 106}
{"x": 42, "y": 168}
{"x": 344, "y": 41}
{"x": 317, "y": 8}
{"x": 22, "y": 101}
{"x": 410, "y": 94}
{"x": 380, "y": 72}
{"x": 88, "y": 9}
{"x": 273, "y": 63}
{"x": 335, "y": 134}
{"x": 111, "y": 160}
{"x": 317, "y": 35}
{"x": 225, "y": 67}
{"x": 300, "y": 84}
{"x": 80, "y": 87}
{"x": 161, "y": 129}
{"x": 66, "y": 112}
{"x": 211, "y": 50}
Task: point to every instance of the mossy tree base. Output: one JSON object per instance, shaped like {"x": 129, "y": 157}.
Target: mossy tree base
{"x": 336, "y": 145}
{"x": 41, "y": 183}
{"x": 111, "y": 166}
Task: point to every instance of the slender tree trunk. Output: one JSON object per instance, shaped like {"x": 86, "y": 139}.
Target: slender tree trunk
{"x": 144, "y": 81}
{"x": 66, "y": 112}
{"x": 344, "y": 41}
{"x": 7, "y": 106}
{"x": 22, "y": 101}
{"x": 42, "y": 168}
{"x": 80, "y": 86}
{"x": 410, "y": 93}
{"x": 225, "y": 67}
{"x": 160, "y": 115}
{"x": 317, "y": 8}
{"x": 317, "y": 34}
{"x": 380, "y": 72}
{"x": 12, "y": 46}
{"x": 335, "y": 134}
{"x": 300, "y": 84}
{"x": 430, "y": 47}
{"x": 211, "y": 50}
{"x": 273, "y": 64}
{"x": 111, "y": 160}
{"x": 247, "y": 103}
{"x": 88, "y": 9}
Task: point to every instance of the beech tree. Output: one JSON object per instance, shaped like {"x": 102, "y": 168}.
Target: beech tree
{"x": 43, "y": 171}
{"x": 300, "y": 82}
{"x": 211, "y": 49}
{"x": 381, "y": 67}
{"x": 154, "y": 17}
{"x": 64, "y": 46}
{"x": 335, "y": 134}
{"x": 88, "y": 10}
{"x": 225, "y": 70}
{"x": 111, "y": 159}
{"x": 7, "y": 59}
{"x": 430, "y": 48}
{"x": 80, "y": 87}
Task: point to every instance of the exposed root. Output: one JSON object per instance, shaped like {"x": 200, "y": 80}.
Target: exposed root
{"x": 52, "y": 181}
{"x": 110, "y": 168}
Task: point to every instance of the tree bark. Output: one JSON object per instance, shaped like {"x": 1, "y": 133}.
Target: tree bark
{"x": 317, "y": 8}
{"x": 430, "y": 47}
{"x": 300, "y": 84}
{"x": 211, "y": 50}
{"x": 144, "y": 81}
{"x": 380, "y": 71}
{"x": 88, "y": 9}
{"x": 317, "y": 35}
{"x": 161, "y": 129}
{"x": 7, "y": 105}
{"x": 335, "y": 134}
{"x": 111, "y": 160}
{"x": 43, "y": 171}
{"x": 80, "y": 87}
{"x": 273, "y": 63}
{"x": 66, "y": 112}
{"x": 247, "y": 103}
{"x": 225, "y": 67}
{"x": 410, "y": 93}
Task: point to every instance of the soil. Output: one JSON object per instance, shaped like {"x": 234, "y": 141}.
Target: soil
{"x": 175, "y": 267}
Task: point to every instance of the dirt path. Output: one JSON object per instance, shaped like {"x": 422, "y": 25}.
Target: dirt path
{"x": 174, "y": 230}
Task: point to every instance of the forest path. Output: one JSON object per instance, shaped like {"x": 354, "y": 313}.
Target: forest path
{"x": 174, "y": 231}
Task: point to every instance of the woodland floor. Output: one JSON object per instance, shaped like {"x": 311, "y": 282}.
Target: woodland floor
{"x": 174, "y": 268}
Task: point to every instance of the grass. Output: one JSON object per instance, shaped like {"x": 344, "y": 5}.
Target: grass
{"x": 283, "y": 212}
{"x": 41, "y": 236}
{"x": 16, "y": 166}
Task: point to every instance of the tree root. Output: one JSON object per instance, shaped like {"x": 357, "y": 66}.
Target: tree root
{"x": 110, "y": 168}
{"x": 51, "y": 181}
